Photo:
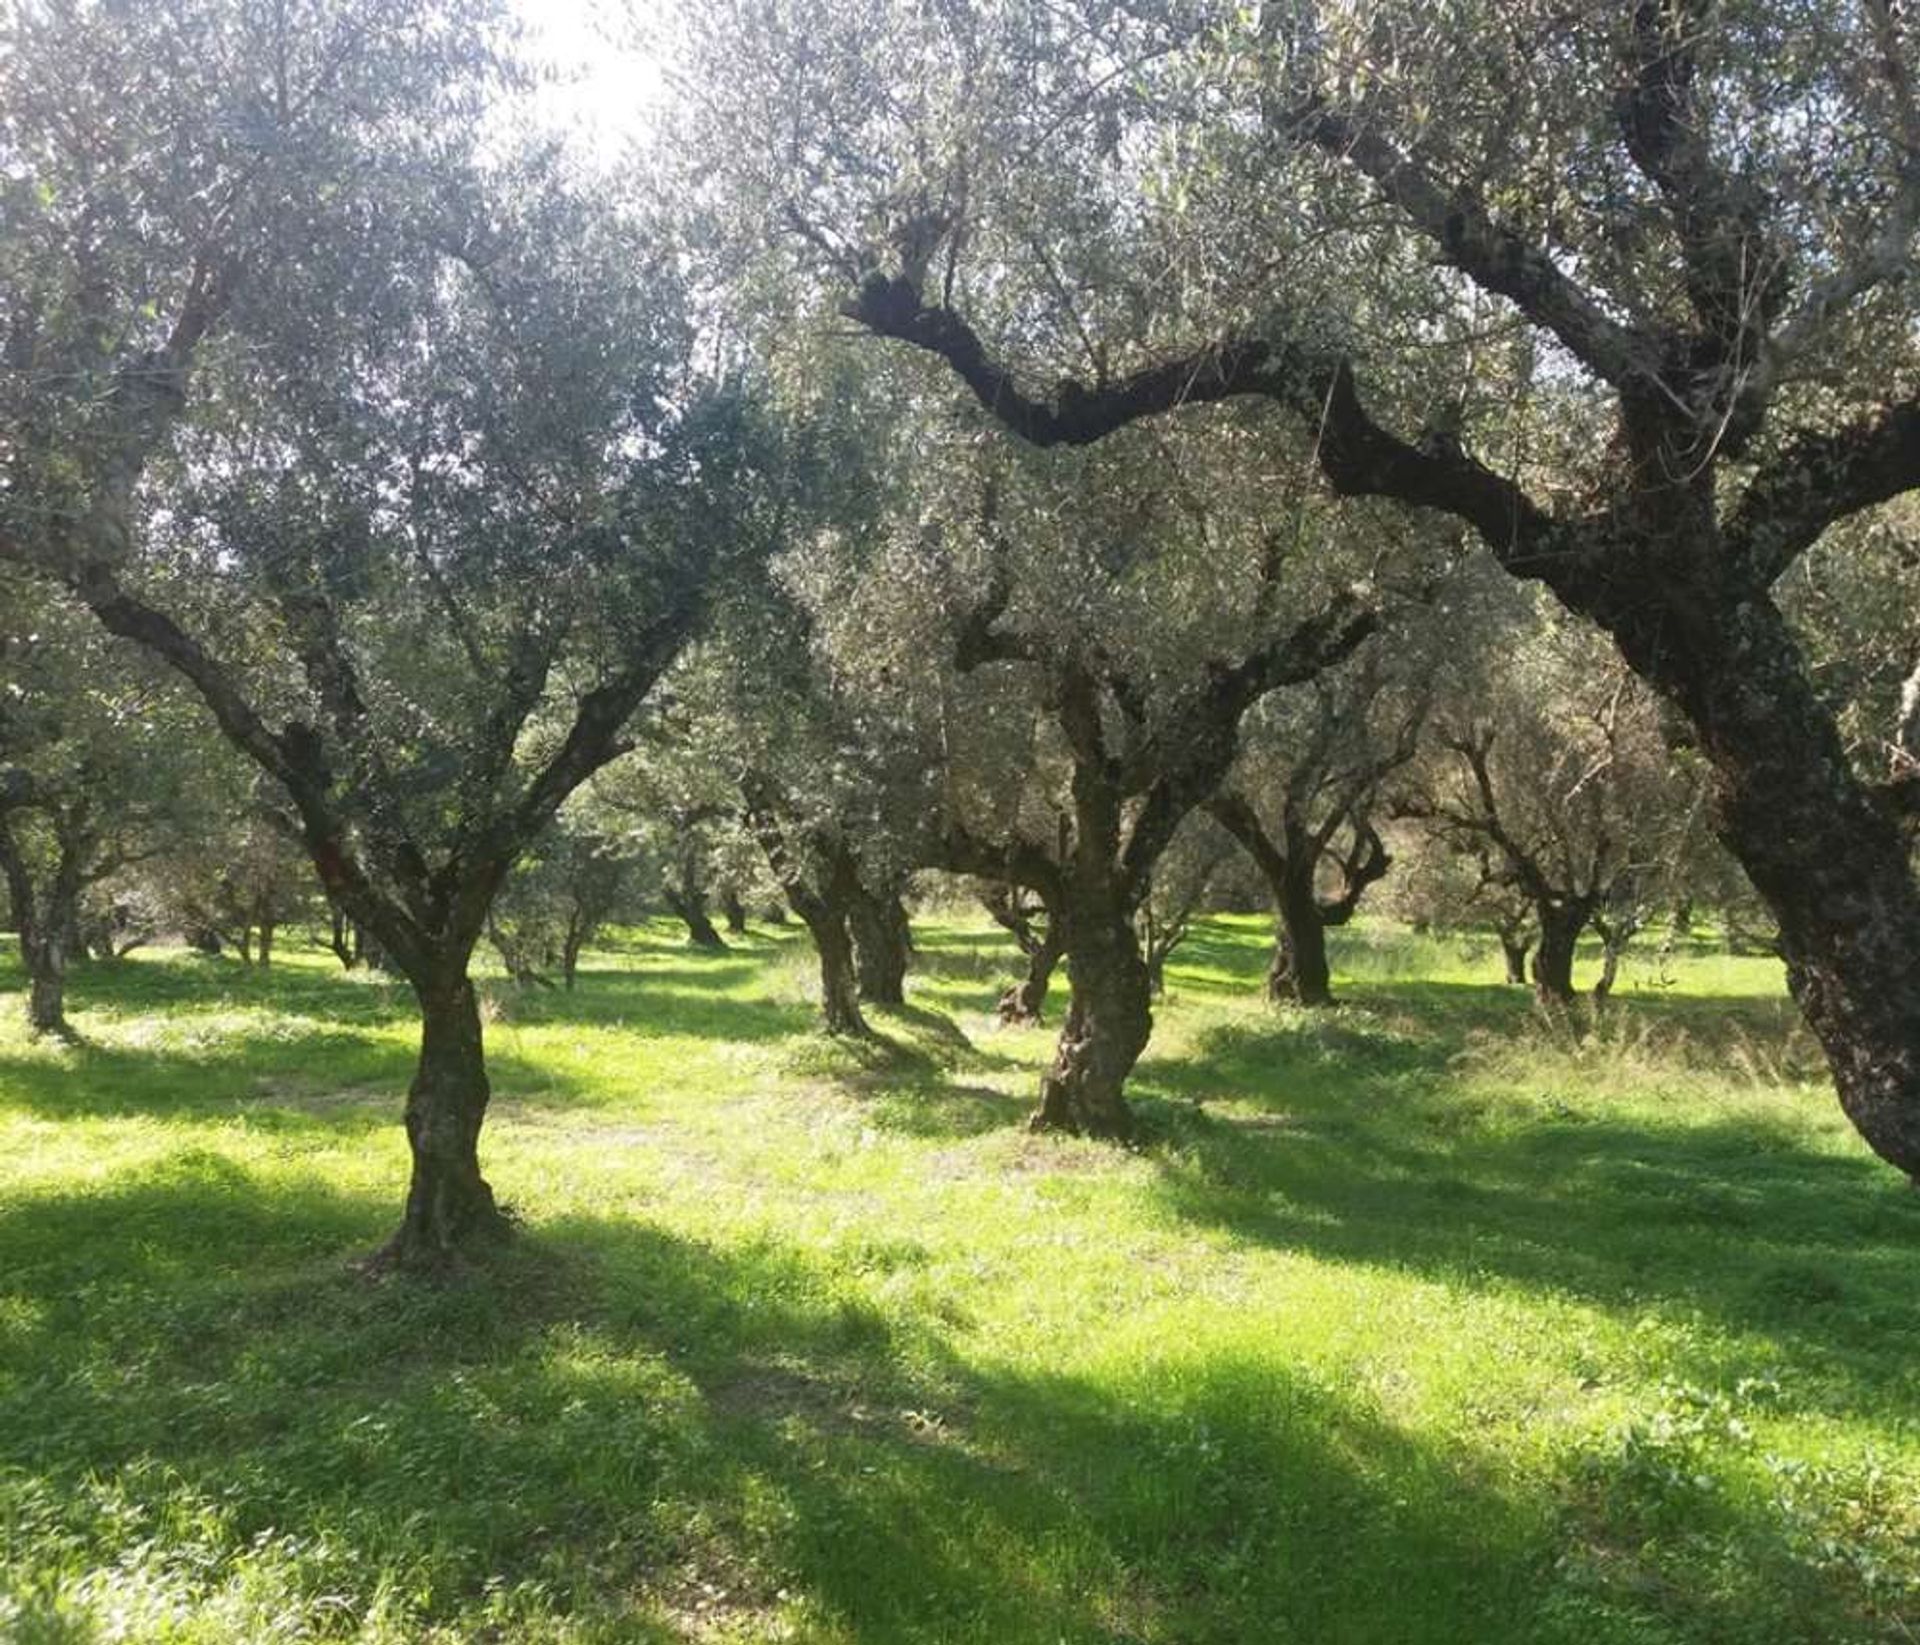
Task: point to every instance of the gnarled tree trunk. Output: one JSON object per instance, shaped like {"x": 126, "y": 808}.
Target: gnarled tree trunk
{"x": 1038, "y": 933}
{"x": 690, "y": 908}
{"x": 1827, "y": 855}
{"x": 1109, "y": 1019}
{"x": 839, "y": 976}
{"x": 1024, "y": 1001}
{"x": 450, "y": 1209}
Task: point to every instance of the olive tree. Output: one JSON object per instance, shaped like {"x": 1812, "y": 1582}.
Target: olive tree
{"x": 1621, "y": 289}
{"x": 393, "y": 450}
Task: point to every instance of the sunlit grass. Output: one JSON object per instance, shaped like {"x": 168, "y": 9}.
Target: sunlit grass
{"x": 1424, "y": 1319}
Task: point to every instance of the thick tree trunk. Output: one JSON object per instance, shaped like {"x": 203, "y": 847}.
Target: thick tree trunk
{"x": 878, "y": 921}
{"x": 1299, "y": 971}
{"x": 1827, "y": 856}
{"x": 450, "y": 1209}
{"x": 736, "y": 912}
{"x": 1515, "y": 950}
{"x": 1108, "y": 1022}
{"x": 1560, "y": 928}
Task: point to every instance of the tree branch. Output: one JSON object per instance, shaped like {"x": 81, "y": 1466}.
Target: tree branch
{"x": 1492, "y": 255}
{"x": 1816, "y": 480}
{"x": 1356, "y": 454}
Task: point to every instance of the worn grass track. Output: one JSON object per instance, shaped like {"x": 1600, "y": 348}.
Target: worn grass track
{"x": 1419, "y": 1320}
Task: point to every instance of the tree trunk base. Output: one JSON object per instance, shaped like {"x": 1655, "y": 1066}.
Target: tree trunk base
{"x": 440, "y": 1237}
{"x": 1064, "y": 1109}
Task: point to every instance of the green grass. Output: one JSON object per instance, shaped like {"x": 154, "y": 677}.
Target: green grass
{"x": 1420, "y": 1320}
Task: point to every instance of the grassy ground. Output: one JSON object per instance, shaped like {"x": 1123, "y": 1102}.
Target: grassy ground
{"x": 1420, "y": 1320}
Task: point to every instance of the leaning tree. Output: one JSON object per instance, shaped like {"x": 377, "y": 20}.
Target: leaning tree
{"x": 388, "y": 441}
{"x": 1623, "y": 289}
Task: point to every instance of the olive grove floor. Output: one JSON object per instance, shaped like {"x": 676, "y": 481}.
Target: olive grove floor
{"x": 1419, "y": 1320}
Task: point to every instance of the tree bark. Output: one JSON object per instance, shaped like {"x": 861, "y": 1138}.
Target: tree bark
{"x": 1040, "y": 940}
{"x": 1025, "y": 1001}
{"x": 1299, "y": 971}
{"x": 878, "y": 921}
{"x": 1611, "y": 948}
{"x": 1515, "y": 950}
{"x": 1560, "y": 926}
{"x": 690, "y": 907}
{"x": 736, "y": 912}
{"x": 45, "y": 916}
{"x": 839, "y": 976}
{"x": 450, "y": 1209}
{"x": 1823, "y": 851}
{"x": 1109, "y": 1019}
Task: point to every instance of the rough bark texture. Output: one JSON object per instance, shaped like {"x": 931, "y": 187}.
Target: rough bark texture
{"x": 450, "y": 1209}
{"x": 1025, "y": 1001}
{"x": 1827, "y": 856}
{"x": 878, "y": 920}
{"x": 839, "y": 976}
{"x": 1035, "y": 927}
{"x": 1108, "y": 1023}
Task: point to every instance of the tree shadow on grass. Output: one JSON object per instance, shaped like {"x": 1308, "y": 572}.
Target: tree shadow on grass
{"x": 909, "y": 1074}
{"x": 1348, "y": 1154}
{"x": 663, "y": 1437}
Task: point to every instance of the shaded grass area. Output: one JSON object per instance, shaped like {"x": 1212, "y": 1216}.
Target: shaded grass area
{"x": 1424, "y": 1319}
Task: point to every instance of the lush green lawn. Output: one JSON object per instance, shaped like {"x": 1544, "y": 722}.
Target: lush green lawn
{"x": 1418, "y": 1321}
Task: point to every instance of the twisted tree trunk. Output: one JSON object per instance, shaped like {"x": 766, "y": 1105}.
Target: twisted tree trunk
{"x": 1024, "y": 1002}
{"x": 1109, "y": 1020}
{"x": 450, "y": 1207}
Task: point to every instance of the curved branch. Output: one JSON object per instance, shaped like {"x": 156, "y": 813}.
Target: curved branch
{"x": 1358, "y": 456}
{"x": 1818, "y": 479}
